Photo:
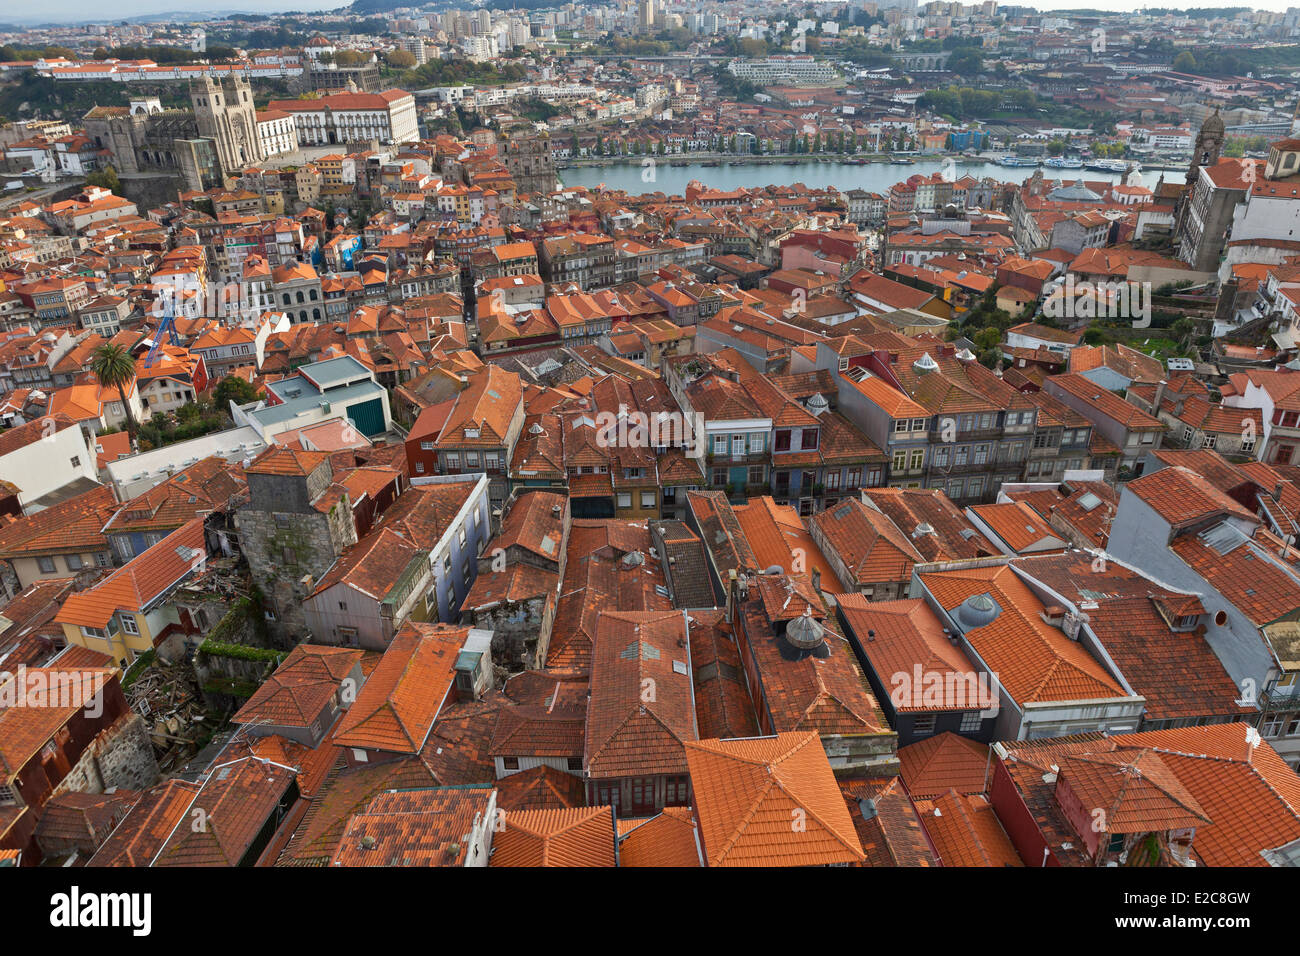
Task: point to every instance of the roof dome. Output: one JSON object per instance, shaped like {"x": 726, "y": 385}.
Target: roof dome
{"x": 1213, "y": 123}
{"x": 925, "y": 364}
{"x": 804, "y": 632}
{"x": 976, "y": 611}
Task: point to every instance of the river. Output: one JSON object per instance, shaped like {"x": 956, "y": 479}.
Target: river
{"x": 874, "y": 177}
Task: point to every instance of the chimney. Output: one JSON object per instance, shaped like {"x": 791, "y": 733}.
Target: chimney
{"x": 732, "y": 587}
{"x": 1160, "y": 394}
{"x": 816, "y": 579}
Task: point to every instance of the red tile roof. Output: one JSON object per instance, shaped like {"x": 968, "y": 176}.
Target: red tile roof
{"x": 578, "y": 837}
{"x": 770, "y": 801}
{"x": 396, "y": 708}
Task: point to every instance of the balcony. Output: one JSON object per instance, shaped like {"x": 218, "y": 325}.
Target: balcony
{"x": 1280, "y": 698}
{"x": 722, "y": 461}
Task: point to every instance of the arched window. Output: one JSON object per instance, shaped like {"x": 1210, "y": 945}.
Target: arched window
{"x": 300, "y": 298}
{"x": 315, "y": 314}
{"x": 287, "y": 300}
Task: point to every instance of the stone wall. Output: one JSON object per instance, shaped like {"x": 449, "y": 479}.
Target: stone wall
{"x": 122, "y": 756}
{"x": 281, "y": 557}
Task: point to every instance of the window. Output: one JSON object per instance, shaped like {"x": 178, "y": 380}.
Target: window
{"x": 453, "y": 460}
{"x": 832, "y": 481}
{"x": 738, "y": 446}
{"x": 1271, "y": 727}
{"x": 492, "y": 461}
{"x": 647, "y": 499}
{"x": 76, "y": 459}
{"x": 782, "y": 441}
{"x": 756, "y": 444}
{"x": 809, "y": 439}
{"x": 755, "y": 474}
{"x": 419, "y": 467}
{"x": 900, "y": 460}
{"x": 1209, "y": 441}
{"x": 961, "y": 455}
{"x": 1187, "y": 433}
{"x": 46, "y": 565}
{"x": 975, "y": 487}
{"x": 719, "y": 444}
{"x": 970, "y": 722}
{"x": 625, "y": 499}
{"x": 981, "y": 454}
{"x": 855, "y": 477}
{"x": 73, "y": 561}
{"x": 675, "y": 789}
{"x": 6, "y": 795}
{"x": 128, "y": 624}
{"x": 940, "y": 459}
{"x": 575, "y": 763}
{"x": 901, "y": 426}
{"x": 426, "y": 446}
{"x": 918, "y": 424}
{"x": 719, "y": 476}
{"x": 923, "y": 725}
{"x": 343, "y": 605}
{"x": 916, "y": 459}
{"x": 471, "y": 459}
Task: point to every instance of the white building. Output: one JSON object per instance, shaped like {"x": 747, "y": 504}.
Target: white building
{"x": 277, "y": 132}
{"x": 387, "y": 117}
{"x": 45, "y": 456}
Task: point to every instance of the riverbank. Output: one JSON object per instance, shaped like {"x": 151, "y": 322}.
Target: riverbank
{"x": 671, "y": 175}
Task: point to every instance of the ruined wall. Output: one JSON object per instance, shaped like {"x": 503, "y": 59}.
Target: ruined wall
{"x": 121, "y": 756}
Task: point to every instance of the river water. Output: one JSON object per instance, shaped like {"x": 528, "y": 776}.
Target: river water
{"x": 874, "y": 177}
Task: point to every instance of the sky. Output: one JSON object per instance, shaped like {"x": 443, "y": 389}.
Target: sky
{"x": 64, "y": 11}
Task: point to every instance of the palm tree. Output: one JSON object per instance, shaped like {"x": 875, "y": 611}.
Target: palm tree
{"x": 114, "y": 367}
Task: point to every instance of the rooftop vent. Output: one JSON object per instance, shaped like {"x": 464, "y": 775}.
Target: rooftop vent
{"x": 804, "y": 632}
{"x": 976, "y": 611}
{"x": 925, "y": 364}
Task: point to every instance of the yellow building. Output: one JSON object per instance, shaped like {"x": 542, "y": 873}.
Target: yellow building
{"x": 127, "y": 613}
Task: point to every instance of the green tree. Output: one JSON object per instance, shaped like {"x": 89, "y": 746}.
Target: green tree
{"x": 232, "y": 388}
{"x": 114, "y": 368}
{"x": 400, "y": 59}
{"x": 105, "y": 178}
{"x": 1184, "y": 62}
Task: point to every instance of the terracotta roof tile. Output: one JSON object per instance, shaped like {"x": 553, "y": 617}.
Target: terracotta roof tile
{"x": 578, "y": 837}
{"x": 747, "y": 792}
